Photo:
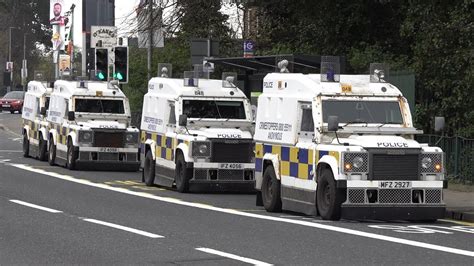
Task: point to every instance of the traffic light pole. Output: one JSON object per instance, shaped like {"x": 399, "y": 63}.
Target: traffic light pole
{"x": 150, "y": 38}
{"x": 56, "y": 55}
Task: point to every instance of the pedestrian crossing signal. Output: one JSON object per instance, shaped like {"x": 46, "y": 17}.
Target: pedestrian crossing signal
{"x": 121, "y": 64}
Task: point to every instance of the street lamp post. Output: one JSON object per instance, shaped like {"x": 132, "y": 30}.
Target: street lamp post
{"x": 10, "y": 56}
{"x": 24, "y": 66}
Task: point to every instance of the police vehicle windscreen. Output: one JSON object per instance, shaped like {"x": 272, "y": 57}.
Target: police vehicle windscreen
{"x": 214, "y": 109}
{"x": 99, "y": 106}
{"x": 363, "y": 111}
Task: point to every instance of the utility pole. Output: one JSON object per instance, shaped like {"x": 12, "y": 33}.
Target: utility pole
{"x": 150, "y": 37}
{"x": 71, "y": 67}
{"x": 10, "y": 57}
{"x": 24, "y": 65}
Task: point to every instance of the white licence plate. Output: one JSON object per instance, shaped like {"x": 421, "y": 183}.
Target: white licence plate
{"x": 108, "y": 149}
{"x": 394, "y": 184}
{"x": 6, "y": 105}
{"x": 231, "y": 166}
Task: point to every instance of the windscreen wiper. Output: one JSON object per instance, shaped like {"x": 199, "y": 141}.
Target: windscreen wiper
{"x": 389, "y": 123}
{"x": 356, "y": 122}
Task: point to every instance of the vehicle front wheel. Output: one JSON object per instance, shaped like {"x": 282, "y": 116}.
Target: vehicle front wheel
{"x": 26, "y": 145}
{"x": 329, "y": 197}
{"x": 181, "y": 175}
{"x": 149, "y": 169}
{"x": 271, "y": 196}
{"x": 52, "y": 153}
{"x": 42, "y": 149}
{"x": 71, "y": 156}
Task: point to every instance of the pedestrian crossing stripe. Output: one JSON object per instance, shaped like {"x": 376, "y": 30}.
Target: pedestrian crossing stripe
{"x": 295, "y": 162}
{"x": 165, "y": 146}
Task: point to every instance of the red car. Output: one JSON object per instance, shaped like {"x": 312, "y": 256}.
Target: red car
{"x": 12, "y": 101}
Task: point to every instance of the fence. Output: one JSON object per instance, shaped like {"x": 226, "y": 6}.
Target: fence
{"x": 459, "y": 154}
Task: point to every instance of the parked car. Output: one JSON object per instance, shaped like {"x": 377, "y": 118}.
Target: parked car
{"x": 12, "y": 101}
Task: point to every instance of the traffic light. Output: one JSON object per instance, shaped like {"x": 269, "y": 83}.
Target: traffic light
{"x": 102, "y": 64}
{"x": 121, "y": 64}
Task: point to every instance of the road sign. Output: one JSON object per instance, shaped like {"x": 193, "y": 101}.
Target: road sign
{"x": 248, "y": 48}
{"x": 9, "y": 67}
{"x": 106, "y": 34}
{"x": 158, "y": 39}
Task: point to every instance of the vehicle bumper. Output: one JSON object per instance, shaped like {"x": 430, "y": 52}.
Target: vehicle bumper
{"x": 11, "y": 108}
{"x": 222, "y": 186}
{"x": 425, "y": 212}
{"x": 108, "y": 165}
{"x": 125, "y": 159}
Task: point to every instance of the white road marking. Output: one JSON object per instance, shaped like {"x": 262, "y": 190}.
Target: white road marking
{"x": 232, "y": 256}
{"x": 10, "y": 151}
{"x": 6, "y": 160}
{"x": 124, "y": 228}
{"x": 252, "y": 215}
{"x": 35, "y": 206}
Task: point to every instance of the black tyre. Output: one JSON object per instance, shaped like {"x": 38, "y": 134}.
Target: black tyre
{"x": 71, "y": 156}
{"x": 329, "y": 198}
{"x": 42, "y": 149}
{"x": 149, "y": 169}
{"x": 52, "y": 153}
{"x": 182, "y": 175}
{"x": 271, "y": 191}
{"x": 26, "y": 145}
{"x": 12, "y": 112}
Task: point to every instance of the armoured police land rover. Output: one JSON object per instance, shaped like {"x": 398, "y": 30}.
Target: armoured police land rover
{"x": 209, "y": 146}
{"x": 90, "y": 127}
{"x": 35, "y": 126}
{"x": 343, "y": 146}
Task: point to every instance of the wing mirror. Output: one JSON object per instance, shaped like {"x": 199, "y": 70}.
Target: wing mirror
{"x": 71, "y": 116}
{"x": 183, "y": 120}
{"x": 333, "y": 124}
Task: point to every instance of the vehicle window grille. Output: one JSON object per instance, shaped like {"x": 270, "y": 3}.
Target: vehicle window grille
{"x": 356, "y": 195}
{"x": 395, "y": 196}
{"x": 433, "y": 196}
{"x": 230, "y": 175}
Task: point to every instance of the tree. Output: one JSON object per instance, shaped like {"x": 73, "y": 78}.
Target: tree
{"x": 442, "y": 35}
{"x": 29, "y": 17}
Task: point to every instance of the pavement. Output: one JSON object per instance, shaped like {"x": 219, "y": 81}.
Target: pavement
{"x": 459, "y": 205}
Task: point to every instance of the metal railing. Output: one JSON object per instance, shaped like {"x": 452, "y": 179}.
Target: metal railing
{"x": 459, "y": 154}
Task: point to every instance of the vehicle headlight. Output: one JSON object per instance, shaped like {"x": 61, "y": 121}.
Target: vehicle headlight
{"x": 201, "y": 149}
{"x": 355, "y": 162}
{"x": 432, "y": 162}
{"x": 131, "y": 138}
{"x": 426, "y": 162}
{"x": 85, "y": 136}
{"x": 358, "y": 162}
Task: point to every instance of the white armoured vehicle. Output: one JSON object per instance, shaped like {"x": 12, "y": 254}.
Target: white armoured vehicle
{"x": 343, "y": 145}
{"x": 209, "y": 146}
{"x": 90, "y": 127}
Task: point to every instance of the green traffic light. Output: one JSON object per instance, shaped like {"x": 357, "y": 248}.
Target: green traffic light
{"x": 101, "y": 76}
{"x": 119, "y": 76}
